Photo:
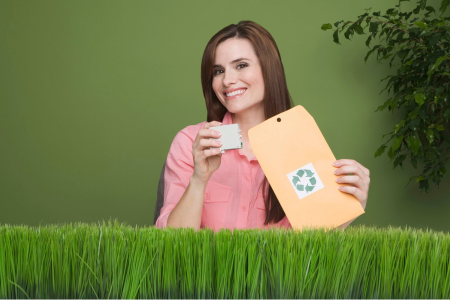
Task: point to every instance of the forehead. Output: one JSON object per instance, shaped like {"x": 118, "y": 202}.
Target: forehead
{"x": 234, "y": 48}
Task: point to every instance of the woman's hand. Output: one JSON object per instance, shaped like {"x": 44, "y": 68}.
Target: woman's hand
{"x": 206, "y": 161}
{"x": 359, "y": 182}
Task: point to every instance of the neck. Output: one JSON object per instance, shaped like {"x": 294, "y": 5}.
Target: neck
{"x": 248, "y": 119}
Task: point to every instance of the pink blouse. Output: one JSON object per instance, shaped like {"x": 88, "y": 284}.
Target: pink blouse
{"x": 233, "y": 195}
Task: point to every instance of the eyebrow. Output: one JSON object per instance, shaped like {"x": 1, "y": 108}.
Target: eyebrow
{"x": 234, "y": 61}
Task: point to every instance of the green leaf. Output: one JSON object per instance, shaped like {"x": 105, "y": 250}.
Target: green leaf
{"x": 359, "y": 29}
{"x": 425, "y": 33}
{"x": 377, "y": 14}
{"x": 348, "y": 32}
{"x": 393, "y": 105}
{"x": 421, "y": 25}
{"x": 447, "y": 114}
{"x": 430, "y": 9}
{"x": 368, "y": 41}
{"x": 336, "y": 37}
{"x": 380, "y": 151}
{"x": 337, "y": 23}
{"x": 414, "y": 113}
{"x": 432, "y": 126}
{"x": 440, "y": 128}
{"x": 391, "y": 154}
{"x": 399, "y": 161}
{"x": 430, "y": 135}
{"x": 444, "y": 5}
{"x": 434, "y": 39}
{"x": 436, "y": 98}
{"x": 367, "y": 56}
{"x": 396, "y": 144}
{"x": 435, "y": 65}
{"x": 382, "y": 107}
{"x": 402, "y": 53}
{"x": 399, "y": 125}
{"x": 414, "y": 144}
{"x": 420, "y": 98}
{"x": 442, "y": 170}
{"x": 420, "y": 178}
{"x": 373, "y": 28}
{"x": 326, "y": 26}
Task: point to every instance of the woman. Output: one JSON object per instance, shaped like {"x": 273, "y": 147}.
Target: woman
{"x": 243, "y": 83}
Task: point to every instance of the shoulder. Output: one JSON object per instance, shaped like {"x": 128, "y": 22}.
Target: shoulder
{"x": 190, "y": 131}
{"x": 188, "y": 134}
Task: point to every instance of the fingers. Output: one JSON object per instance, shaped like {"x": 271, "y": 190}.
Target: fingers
{"x": 355, "y": 181}
{"x": 203, "y": 142}
{"x": 358, "y": 193}
{"x": 349, "y": 162}
{"x": 211, "y": 124}
{"x": 359, "y": 182}
{"x": 206, "y": 133}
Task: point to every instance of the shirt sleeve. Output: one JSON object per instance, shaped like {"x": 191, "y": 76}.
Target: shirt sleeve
{"x": 178, "y": 170}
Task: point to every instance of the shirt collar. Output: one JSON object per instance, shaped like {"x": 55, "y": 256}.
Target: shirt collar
{"x": 227, "y": 119}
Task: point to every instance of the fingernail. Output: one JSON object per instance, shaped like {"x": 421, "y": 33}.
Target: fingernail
{"x": 220, "y": 123}
{"x": 336, "y": 163}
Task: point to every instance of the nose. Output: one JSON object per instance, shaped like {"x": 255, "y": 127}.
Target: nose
{"x": 229, "y": 78}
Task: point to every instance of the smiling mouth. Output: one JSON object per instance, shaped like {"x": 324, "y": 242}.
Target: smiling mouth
{"x": 235, "y": 95}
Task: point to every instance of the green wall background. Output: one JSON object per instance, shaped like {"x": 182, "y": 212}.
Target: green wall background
{"x": 93, "y": 93}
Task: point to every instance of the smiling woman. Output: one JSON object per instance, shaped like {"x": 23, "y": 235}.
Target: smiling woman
{"x": 243, "y": 83}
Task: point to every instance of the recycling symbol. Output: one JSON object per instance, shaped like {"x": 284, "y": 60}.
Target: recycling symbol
{"x": 308, "y": 179}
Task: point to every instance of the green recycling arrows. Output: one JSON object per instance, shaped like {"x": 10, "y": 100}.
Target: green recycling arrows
{"x": 301, "y": 187}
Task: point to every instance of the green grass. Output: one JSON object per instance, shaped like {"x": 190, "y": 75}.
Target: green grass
{"x": 114, "y": 260}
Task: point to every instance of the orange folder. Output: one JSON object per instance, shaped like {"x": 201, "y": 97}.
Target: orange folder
{"x": 297, "y": 162}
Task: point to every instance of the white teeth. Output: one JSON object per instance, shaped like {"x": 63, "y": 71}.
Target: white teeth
{"x": 235, "y": 93}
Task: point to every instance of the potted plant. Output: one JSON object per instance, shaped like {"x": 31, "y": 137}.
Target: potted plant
{"x": 420, "y": 40}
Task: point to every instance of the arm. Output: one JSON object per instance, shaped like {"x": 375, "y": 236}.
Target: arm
{"x": 188, "y": 211}
{"x": 183, "y": 196}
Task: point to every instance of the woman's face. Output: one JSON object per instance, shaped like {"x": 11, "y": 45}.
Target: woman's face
{"x": 237, "y": 69}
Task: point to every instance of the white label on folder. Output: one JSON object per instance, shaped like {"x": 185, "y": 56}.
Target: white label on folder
{"x": 305, "y": 181}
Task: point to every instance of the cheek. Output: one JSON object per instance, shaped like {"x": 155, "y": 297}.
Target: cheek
{"x": 215, "y": 86}
{"x": 255, "y": 79}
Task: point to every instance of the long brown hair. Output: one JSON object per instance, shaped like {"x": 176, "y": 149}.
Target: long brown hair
{"x": 276, "y": 95}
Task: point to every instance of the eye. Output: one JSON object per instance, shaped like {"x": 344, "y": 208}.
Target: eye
{"x": 215, "y": 72}
{"x": 243, "y": 64}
